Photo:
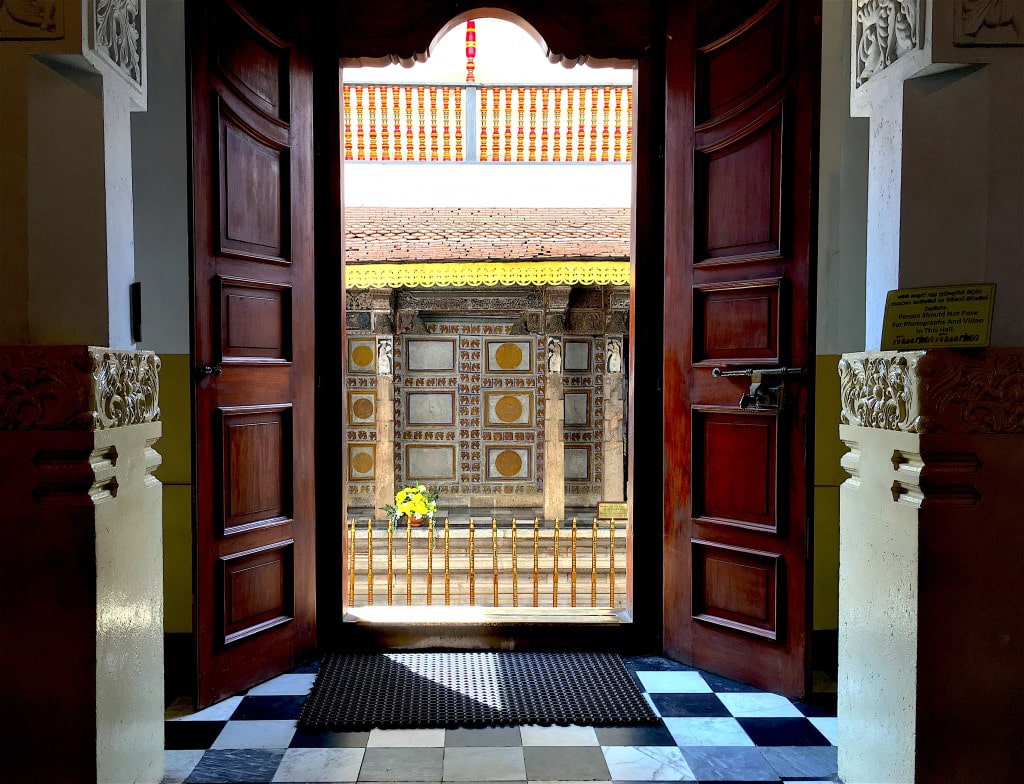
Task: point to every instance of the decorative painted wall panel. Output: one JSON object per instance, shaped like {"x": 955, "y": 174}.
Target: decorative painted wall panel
{"x": 361, "y": 417}
{"x": 362, "y": 355}
{"x": 362, "y": 462}
{"x": 496, "y": 384}
{"x": 583, "y": 367}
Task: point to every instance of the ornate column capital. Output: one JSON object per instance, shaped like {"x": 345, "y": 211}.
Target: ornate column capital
{"x": 77, "y": 388}
{"x": 934, "y": 391}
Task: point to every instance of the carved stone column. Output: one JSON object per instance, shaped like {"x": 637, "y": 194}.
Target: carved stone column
{"x": 554, "y": 439}
{"x": 81, "y": 563}
{"x": 384, "y": 484}
{"x": 614, "y": 438}
{"x": 931, "y": 571}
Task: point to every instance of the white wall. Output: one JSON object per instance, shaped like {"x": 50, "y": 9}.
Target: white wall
{"x": 160, "y": 177}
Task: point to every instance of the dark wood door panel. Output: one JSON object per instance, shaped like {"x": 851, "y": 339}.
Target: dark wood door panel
{"x": 252, "y": 233}
{"x": 740, "y": 160}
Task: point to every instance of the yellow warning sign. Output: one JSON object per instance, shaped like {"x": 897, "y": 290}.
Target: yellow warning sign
{"x": 938, "y": 317}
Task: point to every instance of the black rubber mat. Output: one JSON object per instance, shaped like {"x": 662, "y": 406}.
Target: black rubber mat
{"x": 478, "y": 689}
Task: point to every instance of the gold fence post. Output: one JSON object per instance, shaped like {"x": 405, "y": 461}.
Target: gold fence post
{"x": 408, "y": 560}
{"x": 369, "y": 560}
{"x": 447, "y": 573}
{"x": 536, "y": 561}
{"x": 572, "y": 582}
{"x": 593, "y": 566}
{"x": 472, "y": 569}
{"x": 391, "y": 564}
{"x": 430, "y": 560}
{"x": 554, "y": 570}
{"x": 352, "y": 561}
{"x": 611, "y": 562}
{"x": 494, "y": 557}
{"x": 515, "y": 566}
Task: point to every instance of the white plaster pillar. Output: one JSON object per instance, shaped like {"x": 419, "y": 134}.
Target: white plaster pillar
{"x": 554, "y": 429}
{"x": 66, "y": 183}
{"x": 384, "y": 470}
{"x": 929, "y": 605}
{"x": 614, "y": 469}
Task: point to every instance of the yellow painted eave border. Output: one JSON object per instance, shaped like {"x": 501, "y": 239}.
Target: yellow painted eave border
{"x": 486, "y": 273}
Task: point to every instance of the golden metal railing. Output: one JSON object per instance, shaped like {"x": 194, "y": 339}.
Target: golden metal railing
{"x": 372, "y": 567}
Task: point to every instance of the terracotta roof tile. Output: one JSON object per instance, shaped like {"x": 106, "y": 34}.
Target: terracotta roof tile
{"x": 376, "y": 234}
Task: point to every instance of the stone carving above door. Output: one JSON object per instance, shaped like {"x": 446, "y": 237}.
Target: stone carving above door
{"x": 885, "y": 31}
{"x": 31, "y": 19}
{"x": 989, "y": 23}
{"x": 77, "y": 388}
{"x": 937, "y": 391}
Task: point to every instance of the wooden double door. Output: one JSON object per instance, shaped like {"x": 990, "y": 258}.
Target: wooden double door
{"x": 724, "y": 192}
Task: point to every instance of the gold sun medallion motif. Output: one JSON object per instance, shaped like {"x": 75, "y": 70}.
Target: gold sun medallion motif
{"x": 508, "y": 463}
{"x": 362, "y": 462}
{"x": 362, "y": 356}
{"x": 508, "y": 356}
{"x": 508, "y": 408}
{"x": 362, "y": 408}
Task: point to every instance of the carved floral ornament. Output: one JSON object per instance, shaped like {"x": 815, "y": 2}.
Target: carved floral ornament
{"x": 992, "y": 22}
{"x": 77, "y": 388}
{"x": 31, "y": 19}
{"x": 119, "y": 34}
{"x": 886, "y": 30}
{"x": 937, "y": 391}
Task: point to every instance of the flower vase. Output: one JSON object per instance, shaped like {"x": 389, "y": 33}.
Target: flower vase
{"x": 416, "y": 520}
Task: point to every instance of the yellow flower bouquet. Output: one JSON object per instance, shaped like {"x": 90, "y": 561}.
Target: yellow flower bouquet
{"x": 415, "y": 503}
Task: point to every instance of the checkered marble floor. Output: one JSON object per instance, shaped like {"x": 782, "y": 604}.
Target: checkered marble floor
{"x": 712, "y": 730}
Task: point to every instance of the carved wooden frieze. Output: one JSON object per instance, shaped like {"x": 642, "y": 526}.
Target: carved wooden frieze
{"x": 936, "y": 391}
{"x": 885, "y": 31}
{"x": 31, "y": 19}
{"x": 989, "y": 23}
{"x": 77, "y": 388}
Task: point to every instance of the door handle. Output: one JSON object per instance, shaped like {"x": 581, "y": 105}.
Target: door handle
{"x": 767, "y": 386}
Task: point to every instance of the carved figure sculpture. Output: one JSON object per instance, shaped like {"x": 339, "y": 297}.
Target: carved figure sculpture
{"x": 384, "y": 355}
{"x": 554, "y": 355}
{"x": 614, "y": 355}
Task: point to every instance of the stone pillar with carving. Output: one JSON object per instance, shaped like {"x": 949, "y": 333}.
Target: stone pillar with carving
{"x": 554, "y": 439}
{"x": 931, "y": 574}
{"x": 82, "y": 563}
{"x": 384, "y": 484}
{"x": 614, "y": 414}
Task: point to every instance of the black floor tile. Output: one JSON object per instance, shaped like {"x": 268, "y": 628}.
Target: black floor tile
{"x": 191, "y": 734}
{"x": 228, "y": 766}
{"x": 308, "y": 669}
{"x": 269, "y": 707}
{"x": 718, "y": 683}
{"x": 654, "y": 663}
{"x": 818, "y": 705}
{"x": 689, "y": 705}
{"x": 328, "y": 739}
{"x": 783, "y": 732}
{"x": 634, "y": 736}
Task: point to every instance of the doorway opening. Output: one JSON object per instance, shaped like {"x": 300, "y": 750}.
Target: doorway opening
{"x": 488, "y": 236}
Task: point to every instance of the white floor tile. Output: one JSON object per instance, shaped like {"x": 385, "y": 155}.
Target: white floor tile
{"x": 535, "y": 735}
{"x": 647, "y": 763}
{"x": 758, "y": 704}
{"x": 702, "y": 731}
{"x": 333, "y": 765}
{"x": 827, "y": 726}
{"x": 673, "y": 682}
{"x": 268, "y": 734}
{"x": 220, "y": 712}
{"x": 433, "y": 738}
{"x": 293, "y": 683}
{"x": 178, "y": 764}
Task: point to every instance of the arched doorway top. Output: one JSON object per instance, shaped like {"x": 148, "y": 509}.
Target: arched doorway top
{"x": 568, "y": 32}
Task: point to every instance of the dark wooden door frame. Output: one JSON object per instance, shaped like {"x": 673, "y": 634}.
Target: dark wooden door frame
{"x": 571, "y": 29}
